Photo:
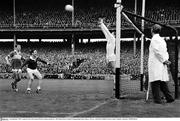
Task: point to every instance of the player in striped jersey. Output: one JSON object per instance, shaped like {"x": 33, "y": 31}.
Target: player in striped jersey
{"x": 14, "y": 59}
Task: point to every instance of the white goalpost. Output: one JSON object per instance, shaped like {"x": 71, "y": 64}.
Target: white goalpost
{"x": 118, "y": 82}
{"x": 142, "y": 46}
{"x": 119, "y": 8}
{"x": 118, "y": 39}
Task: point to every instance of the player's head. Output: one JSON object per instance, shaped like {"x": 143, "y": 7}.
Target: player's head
{"x": 156, "y": 29}
{"x": 18, "y": 47}
{"x": 33, "y": 52}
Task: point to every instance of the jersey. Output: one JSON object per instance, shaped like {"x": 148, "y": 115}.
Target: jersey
{"x": 16, "y": 59}
{"x": 110, "y": 46}
{"x": 32, "y": 62}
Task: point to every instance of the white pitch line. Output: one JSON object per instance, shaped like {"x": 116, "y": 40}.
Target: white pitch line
{"x": 72, "y": 114}
{"x": 89, "y": 110}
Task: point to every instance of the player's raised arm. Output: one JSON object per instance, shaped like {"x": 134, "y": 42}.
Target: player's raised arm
{"x": 104, "y": 29}
{"x": 8, "y": 57}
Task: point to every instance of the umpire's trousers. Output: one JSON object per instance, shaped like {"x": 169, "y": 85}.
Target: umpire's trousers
{"x": 157, "y": 87}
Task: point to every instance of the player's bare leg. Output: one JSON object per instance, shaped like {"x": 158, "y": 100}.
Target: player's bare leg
{"x": 39, "y": 76}
{"x": 17, "y": 78}
{"x": 31, "y": 79}
{"x": 13, "y": 84}
{"x": 111, "y": 65}
{"x": 39, "y": 86}
{"x": 29, "y": 85}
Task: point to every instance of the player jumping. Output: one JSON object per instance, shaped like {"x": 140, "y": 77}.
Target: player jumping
{"x": 110, "y": 46}
{"x": 110, "y": 50}
{"x": 32, "y": 70}
{"x": 14, "y": 59}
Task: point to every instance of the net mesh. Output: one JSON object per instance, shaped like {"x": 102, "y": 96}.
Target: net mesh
{"x": 130, "y": 84}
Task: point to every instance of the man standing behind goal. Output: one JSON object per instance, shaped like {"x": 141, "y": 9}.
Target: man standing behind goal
{"x": 32, "y": 70}
{"x": 158, "y": 66}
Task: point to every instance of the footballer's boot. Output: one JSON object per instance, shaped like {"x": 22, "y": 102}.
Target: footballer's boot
{"x": 13, "y": 85}
{"x": 16, "y": 90}
{"x": 28, "y": 91}
{"x": 38, "y": 91}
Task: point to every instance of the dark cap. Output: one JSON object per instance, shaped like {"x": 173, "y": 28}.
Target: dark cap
{"x": 156, "y": 28}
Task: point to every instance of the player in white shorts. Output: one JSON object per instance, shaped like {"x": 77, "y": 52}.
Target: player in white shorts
{"x": 33, "y": 71}
{"x": 110, "y": 46}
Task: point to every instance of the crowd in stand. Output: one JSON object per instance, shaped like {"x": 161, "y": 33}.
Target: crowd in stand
{"x": 92, "y": 54}
{"x": 84, "y": 18}
{"x": 89, "y": 58}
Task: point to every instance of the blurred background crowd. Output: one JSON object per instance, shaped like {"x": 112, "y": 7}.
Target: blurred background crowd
{"x": 52, "y": 15}
{"x": 89, "y": 58}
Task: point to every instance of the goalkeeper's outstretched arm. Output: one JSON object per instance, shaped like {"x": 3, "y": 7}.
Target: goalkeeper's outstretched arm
{"x": 104, "y": 29}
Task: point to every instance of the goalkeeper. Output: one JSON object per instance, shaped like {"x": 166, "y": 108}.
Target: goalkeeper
{"x": 110, "y": 46}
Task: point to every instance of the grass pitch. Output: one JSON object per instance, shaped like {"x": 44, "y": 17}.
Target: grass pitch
{"x": 77, "y": 98}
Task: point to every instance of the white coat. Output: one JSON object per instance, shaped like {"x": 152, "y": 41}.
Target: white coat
{"x": 157, "y": 55}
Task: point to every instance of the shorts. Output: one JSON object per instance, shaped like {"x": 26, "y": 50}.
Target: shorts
{"x": 16, "y": 70}
{"x": 111, "y": 57}
{"x": 32, "y": 72}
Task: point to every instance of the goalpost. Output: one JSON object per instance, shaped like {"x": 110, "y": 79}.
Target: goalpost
{"x": 14, "y": 22}
{"x": 119, "y": 11}
{"x": 118, "y": 39}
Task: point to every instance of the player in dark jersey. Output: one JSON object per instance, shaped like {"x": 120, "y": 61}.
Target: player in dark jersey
{"x": 32, "y": 70}
{"x": 14, "y": 59}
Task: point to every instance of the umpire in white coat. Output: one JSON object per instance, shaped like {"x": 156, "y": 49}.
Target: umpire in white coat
{"x": 158, "y": 66}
